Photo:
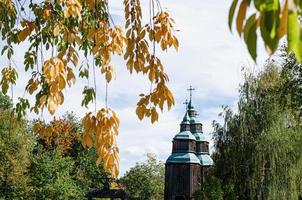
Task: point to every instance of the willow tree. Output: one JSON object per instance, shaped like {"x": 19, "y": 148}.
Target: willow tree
{"x": 259, "y": 148}
{"x": 70, "y": 28}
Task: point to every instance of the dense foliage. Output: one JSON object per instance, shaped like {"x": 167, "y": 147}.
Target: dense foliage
{"x": 37, "y": 167}
{"x": 51, "y": 176}
{"x": 259, "y": 148}
{"x": 211, "y": 190}
{"x": 15, "y": 152}
{"x": 145, "y": 181}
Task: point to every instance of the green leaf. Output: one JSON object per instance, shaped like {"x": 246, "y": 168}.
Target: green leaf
{"x": 21, "y": 107}
{"x": 266, "y": 5}
{"x": 249, "y": 23}
{"x": 4, "y": 49}
{"x": 300, "y": 3}
{"x": 269, "y": 23}
{"x": 89, "y": 96}
{"x": 231, "y": 13}
{"x": 29, "y": 60}
{"x": 257, "y": 4}
{"x": 4, "y": 87}
{"x": 294, "y": 34}
{"x": 84, "y": 73}
{"x": 250, "y": 36}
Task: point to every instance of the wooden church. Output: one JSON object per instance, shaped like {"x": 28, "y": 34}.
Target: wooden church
{"x": 187, "y": 165}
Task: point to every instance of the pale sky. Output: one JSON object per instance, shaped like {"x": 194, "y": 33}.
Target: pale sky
{"x": 210, "y": 59}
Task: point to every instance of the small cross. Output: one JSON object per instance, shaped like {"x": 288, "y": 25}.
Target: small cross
{"x": 186, "y": 103}
{"x": 191, "y": 89}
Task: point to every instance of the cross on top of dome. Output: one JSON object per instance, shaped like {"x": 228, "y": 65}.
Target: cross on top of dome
{"x": 190, "y": 105}
{"x": 191, "y": 89}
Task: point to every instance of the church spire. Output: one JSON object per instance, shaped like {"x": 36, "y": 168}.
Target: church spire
{"x": 186, "y": 119}
{"x": 190, "y": 108}
{"x": 190, "y": 105}
{"x": 185, "y": 124}
{"x": 191, "y": 89}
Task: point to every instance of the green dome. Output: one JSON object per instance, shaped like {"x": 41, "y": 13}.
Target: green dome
{"x": 186, "y": 119}
{"x": 205, "y": 159}
{"x": 194, "y": 120}
{"x": 200, "y": 137}
{"x": 183, "y": 158}
{"x": 185, "y": 135}
{"x": 190, "y": 105}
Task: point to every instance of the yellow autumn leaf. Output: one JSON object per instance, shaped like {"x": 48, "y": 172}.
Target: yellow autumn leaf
{"x": 36, "y": 127}
{"x": 87, "y": 141}
{"x": 86, "y": 121}
{"x": 241, "y": 16}
{"x": 47, "y": 12}
{"x": 106, "y": 162}
{"x": 115, "y": 171}
{"x": 99, "y": 161}
{"x": 51, "y": 105}
{"x": 59, "y": 97}
{"x": 57, "y": 29}
{"x": 283, "y": 21}
{"x": 53, "y": 89}
{"x": 91, "y": 4}
{"x": 52, "y": 73}
{"x": 61, "y": 81}
{"x": 33, "y": 87}
{"x": 108, "y": 76}
{"x": 42, "y": 101}
{"x": 70, "y": 76}
{"x": 175, "y": 43}
{"x": 140, "y": 112}
{"x": 154, "y": 115}
{"x": 23, "y": 34}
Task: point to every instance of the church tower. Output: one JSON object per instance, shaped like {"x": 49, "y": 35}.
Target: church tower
{"x": 185, "y": 167}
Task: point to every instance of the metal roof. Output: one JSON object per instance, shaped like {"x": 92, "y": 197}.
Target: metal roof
{"x": 205, "y": 159}
{"x": 200, "y": 137}
{"x": 186, "y": 119}
{"x": 183, "y": 158}
{"x": 185, "y": 135}
{"x": 190, "y": 105}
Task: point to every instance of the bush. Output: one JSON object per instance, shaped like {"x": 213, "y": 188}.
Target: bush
{"x": 51, "y": 176}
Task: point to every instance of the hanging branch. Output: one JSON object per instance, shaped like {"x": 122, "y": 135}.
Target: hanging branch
{"x": 71, "y": 26}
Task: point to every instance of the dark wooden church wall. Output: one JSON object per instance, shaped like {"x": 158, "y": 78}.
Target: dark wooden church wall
{"x": 184, "y": 146}
{"x": 183, "y": 177}
{"x": 196, "y": 178}
{"x": 196, "y": 128}
{"x": 202, "y": 147}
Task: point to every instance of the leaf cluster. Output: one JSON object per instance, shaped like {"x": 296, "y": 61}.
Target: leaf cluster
{"x": 273, "y": 19}
{"x": 101, "y": 131}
